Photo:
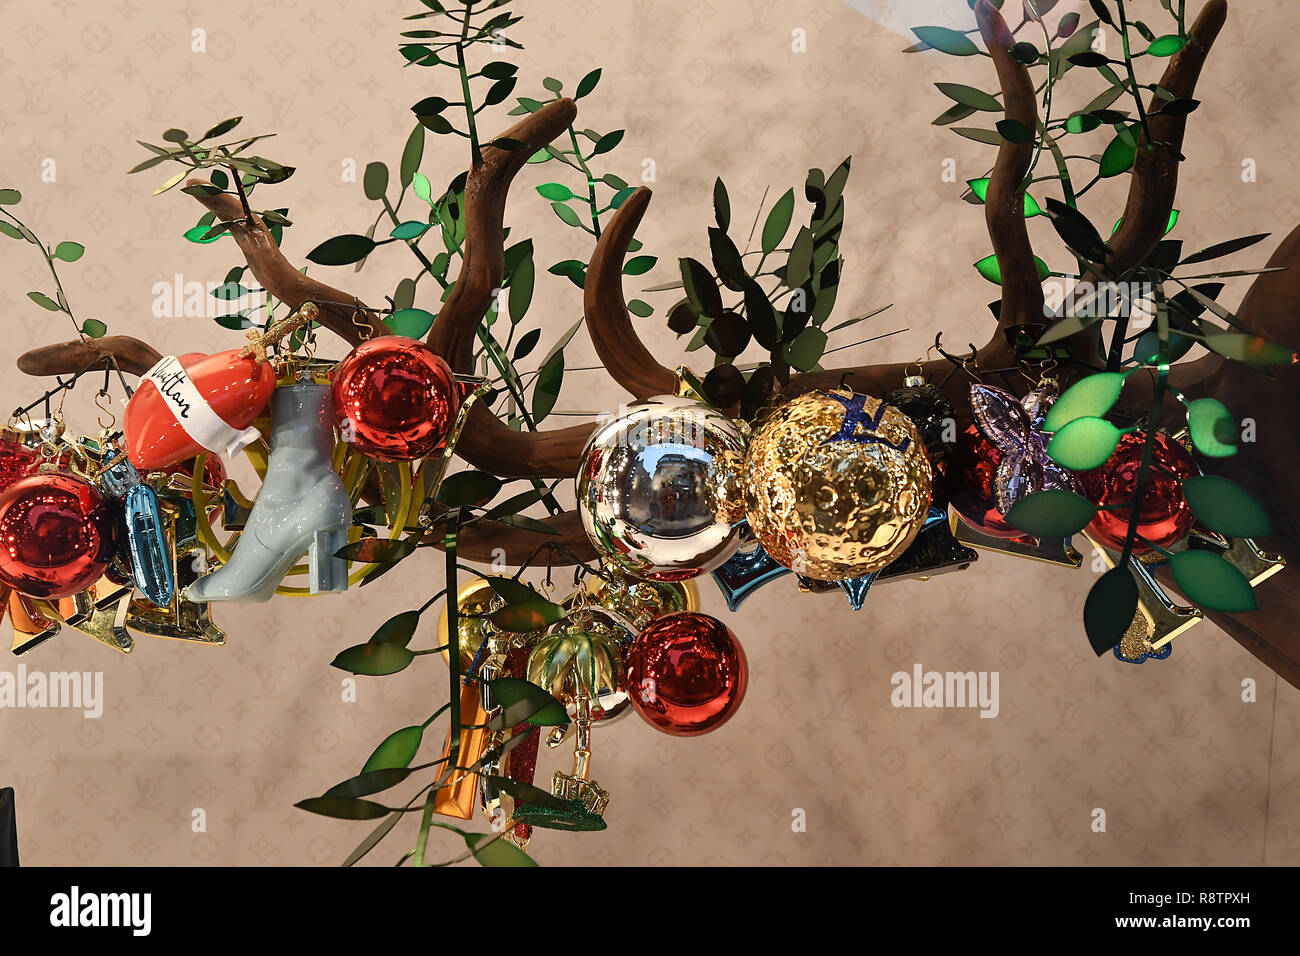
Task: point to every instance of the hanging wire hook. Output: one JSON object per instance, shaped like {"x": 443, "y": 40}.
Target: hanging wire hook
{"x": 105, "y": 407}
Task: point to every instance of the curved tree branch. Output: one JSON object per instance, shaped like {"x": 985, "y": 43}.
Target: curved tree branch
{"x": 68, "y": 358}
{"x": 621, "y": 351}
{"x": 482, "y": 541}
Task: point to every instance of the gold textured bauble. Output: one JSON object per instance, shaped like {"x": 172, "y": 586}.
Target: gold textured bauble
{"x": 837, "y": 484}
{"x": 473, "y": 597}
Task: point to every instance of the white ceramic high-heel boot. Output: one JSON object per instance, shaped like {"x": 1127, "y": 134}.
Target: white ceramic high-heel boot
{"x": 302, "y": 507}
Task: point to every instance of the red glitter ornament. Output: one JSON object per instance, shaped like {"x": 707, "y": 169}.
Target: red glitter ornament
{"x": 1164, "y": 517}
{"x": 395, "y": 399}
{"x": 57, "y": 535}
{"x": 686, "y": 673}
{"x": 970, "y": 481}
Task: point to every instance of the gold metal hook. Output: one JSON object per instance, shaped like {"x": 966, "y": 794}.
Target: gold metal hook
{"x": 112, "y": 416}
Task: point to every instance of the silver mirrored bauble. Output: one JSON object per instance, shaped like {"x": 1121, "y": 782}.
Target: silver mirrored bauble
{"x": 648, "y": 488}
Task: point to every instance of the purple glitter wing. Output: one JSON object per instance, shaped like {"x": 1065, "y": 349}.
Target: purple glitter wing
{"x": 1021, "y": 474}
{"x": 1039, "y": 401}
{"x": 1001, "y": 417}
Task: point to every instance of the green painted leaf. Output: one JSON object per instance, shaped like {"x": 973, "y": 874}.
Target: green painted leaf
{"x": 1249, "y": 348}
{"x": 374, "y": 660}
{"x": 423, "y": 190}
{"x": 468, "y": 488}
{"x": 1084, "y": 444}
{"x": 566, "y": 214}
{"x": 946, "y": 40}
{"x": 1118, "y": 158}
{"x": 989, "y": 137}
{"x": 721, "y": 205}
{"x": 607, "y": 142}
{"x": 1109, "y": 608}
{"x": 1226, "y": 248}
{"x": 1212, "y": 428}
{"x": 398, "y": 629}
{"x": 1081, "y": 123}
{"x": 397, "y": 750}
{"x": 980, "y": 187}
{"x": 527, "y": 702}
{"x": 222, "y": 128}
{"x": 640, "y": 308}
{"x": 365, "y": 784}
{"x": 556, "y": 192}
{"x": 412, "y": 153}
{"x": 69, "y": 251}
{"x": 94, "y": 328}
{"x": 10, "y": 197}
{"x": 13, "y": 232}
{"x": 639, "y": 265}
{"x": 969, "y": 96}
{"x": 44, "y": 301}
{"x": 498, "y": 852}
{"x": 1167, "y": 45}
{"x": 547, "y": 389}
{"x": 374, "y": 182}
{"x": 342, "y": 250}
{"x": 1226, "y": 507}
{"x": 1090, "y": 397}
{"x": 528, "y": 616}
{"x": 200, "y": 234}
{"x": 343, "y": 808}
{"x": 520, "y": 295}
{"x": 1207, "y": 580}
{"x": 778, "y": 221}
{"x": 989, "y": 269}
{"x": 807, "y": 349}
{"x": 587, "y": 84}
{"x": 411, "y": 229}
{"x": 1051, "y": 514}
{"x": 1014, "y": 131}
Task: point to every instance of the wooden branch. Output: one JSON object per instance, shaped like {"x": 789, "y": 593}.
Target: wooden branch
{"x": 1004, "y": 203}
{"x": 278, "y": 276}
{"x": 67, "y": 358}
{"x": 490, "y": 445}
{"x": 626, "y": 359}
{"x": 483, "y": 265}
{"x": 481, "y": 541}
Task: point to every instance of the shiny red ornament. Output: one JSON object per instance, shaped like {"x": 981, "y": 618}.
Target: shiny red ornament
{"x": 970, "y": 484}
{"x": 16, "y": 458}
{"x": 57, "y": 535}
{"x": 1164, "y": 517}
{"x": 686, "y": 673}
{"x": 395, "y": 399}
{"x": 159, "y": 428}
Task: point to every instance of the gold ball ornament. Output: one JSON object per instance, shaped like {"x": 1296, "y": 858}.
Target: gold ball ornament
{"x": 474, "y": 597}
{"x": 837, "y": 484}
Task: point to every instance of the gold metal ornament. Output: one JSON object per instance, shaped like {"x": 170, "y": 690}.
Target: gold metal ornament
{"x": 99, "y": 612}
{"x": 640, "y": 602}
{"x": 473, "y": 597}
{"x": 837, "y": 484}
{"x": 31, "y": 627}
{"x": 1058, "y": 551}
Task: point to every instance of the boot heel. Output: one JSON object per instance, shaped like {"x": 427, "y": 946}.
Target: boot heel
{"x": 328, "y": 573}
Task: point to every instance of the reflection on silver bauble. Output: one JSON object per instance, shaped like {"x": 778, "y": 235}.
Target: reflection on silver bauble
{"x": 647, "y": 485}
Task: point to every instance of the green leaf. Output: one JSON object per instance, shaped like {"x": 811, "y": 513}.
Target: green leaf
{"x": 778, "y": 221}
{"x": 587, "y": 84}
{"x": 526, "y": 702}
{"x": 1081, "y": 123}
{"x": 397, "y": 750}
{"x": 466, "y": 488}
{"x": 1249, "y": 348}
{"x": 44, "y": 301}
{"x": 1051, "y": 514}
{"x": 1220, "y": 249}
{"x": 566, "y": 214}
{"x": 721, "y": 205}
{"x": 969, "y": 96}
{"x": 375, "y": 181}
{"x": 1090, "y": 397}
{"x": 13, "y": 232}
{"x": 1118, "y": 158}
{"x": 1109, "y": 608}
{"x": 989, "y": 269}
{"x": 398, "y": 629}
{"x": 412, "y": 153}
{"x": 69, "y": 251}
{"x": 365, "y": 784}
{"x": 512, "y": 591}
{"x": 980, "y": 187}
{"x": 411, "y": 229}
{"x": 498, "y": 852}
{"x": 946, "y": 40}
{"x": 701, "y": 289}
{"x": 528, "y": 616}
{"x": 94, "y": 328}
{"x": 520, "y": 295}
{"x": 377, "y": 550}
{"x": 423, "y": 190}
{"x": 987, "y": 136}
{"x": 547, "y": 389}
{"x": 10, "y": 197}
{"x": 807, "y": 349}
{"x": 639, "y": 265}
{"x": 1207, "y": 580}
{"x": 1226, "y": 507}
{"x": 607, "y": 142}
{"x": 222, "y": 128}
{"x": 1014, "y": 131}
{"x": 412, "y": 323}
{"x": 200, "y": 234}
{"x": 343, "y": 808}
{"x": 1083, "y": 444}
{"x": 1167, "y": 45}
{"x": 1213, "y": 430}
{"x": 556, "y": 192}
{"x": 342, "y": 250}
{"x": 640, "y": 308}
{"x": 374, "y": 660}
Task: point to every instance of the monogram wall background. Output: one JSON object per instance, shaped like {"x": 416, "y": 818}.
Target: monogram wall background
{"x": 1187, "y": 772}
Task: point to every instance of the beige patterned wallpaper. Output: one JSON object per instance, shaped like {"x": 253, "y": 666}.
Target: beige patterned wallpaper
{"x": 1186, "y": 771}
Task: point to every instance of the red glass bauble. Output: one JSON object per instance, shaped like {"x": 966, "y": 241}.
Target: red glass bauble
{"x": 1164, "y": 517}
{"x": 686, "y": 673}
{"x": 57, "y": 534}
{"x": 970, "y": 481}
{"x": 16, "y": 458}
{"x": 395, "y": 398}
